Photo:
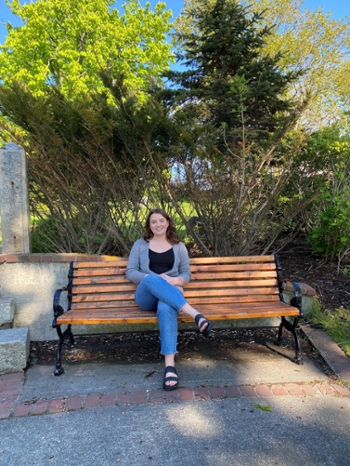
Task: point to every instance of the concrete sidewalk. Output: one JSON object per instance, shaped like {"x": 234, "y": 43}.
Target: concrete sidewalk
{"x": 255, "y": 407}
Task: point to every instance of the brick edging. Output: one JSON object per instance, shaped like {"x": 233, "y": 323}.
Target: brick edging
{"x": 11, "y": 406}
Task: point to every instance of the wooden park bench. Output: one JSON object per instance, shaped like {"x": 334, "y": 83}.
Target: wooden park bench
{"x": 222, "y": 288}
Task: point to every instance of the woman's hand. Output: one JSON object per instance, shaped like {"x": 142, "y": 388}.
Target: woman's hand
{"x": 175, "y": 281}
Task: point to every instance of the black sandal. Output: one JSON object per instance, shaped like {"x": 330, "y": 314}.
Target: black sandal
{"x": 209, "y": 327}
{"x": 169, "y": 388}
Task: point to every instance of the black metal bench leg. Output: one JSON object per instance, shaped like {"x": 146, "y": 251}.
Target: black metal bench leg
{"x": 280, "y": 333}
{"x": 59, "y": 369}
{"x": 298, "y": 358}
{"x": 62, "y": 336}
{"x": 291, "y": 327}
{"x": 69, "y": 334}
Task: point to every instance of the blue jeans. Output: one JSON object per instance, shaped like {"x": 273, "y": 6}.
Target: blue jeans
{"x": 155, "y": 293}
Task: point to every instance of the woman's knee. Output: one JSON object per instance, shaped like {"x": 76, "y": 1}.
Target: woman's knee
{"x": 152, "y": 278}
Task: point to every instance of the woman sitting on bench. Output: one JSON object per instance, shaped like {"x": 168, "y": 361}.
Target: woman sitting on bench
{"x": 159, "y": 265}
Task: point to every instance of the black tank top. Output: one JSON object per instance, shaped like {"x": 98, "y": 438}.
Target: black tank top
{"x": 161, "y": 262}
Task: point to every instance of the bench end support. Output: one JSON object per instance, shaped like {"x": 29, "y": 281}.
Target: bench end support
{"x": 292, "y": 328}
{"x": 62, "y": 336}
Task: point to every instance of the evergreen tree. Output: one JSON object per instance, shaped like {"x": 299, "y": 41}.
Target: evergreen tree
{"x": 226, "y": 70}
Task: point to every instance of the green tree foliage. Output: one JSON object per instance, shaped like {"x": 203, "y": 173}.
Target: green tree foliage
{"x": 69, "y": 44}
{"x": 221, "y": 44}
{"x": 329, "y": 151}
{"x": 316, "y": 44}
{"x": 76, "y": 84}
{"x": 90, "y": 165}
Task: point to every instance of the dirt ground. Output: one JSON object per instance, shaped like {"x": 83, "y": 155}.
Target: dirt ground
{"x": 138, "y": 348}
{"x": 333, "y": 288}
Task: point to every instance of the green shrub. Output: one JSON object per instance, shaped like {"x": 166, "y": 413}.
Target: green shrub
{"x": 336, "y": 323}
{"x": 44, "y": 236}
{"x": 49, "y": 235}
{"x": 330, "y": 236}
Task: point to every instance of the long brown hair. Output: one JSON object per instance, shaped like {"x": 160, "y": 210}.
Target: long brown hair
{"x": 171, "y": 235}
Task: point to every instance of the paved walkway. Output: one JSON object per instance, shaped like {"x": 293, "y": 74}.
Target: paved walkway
{"x": 255, "y": 407}
{"x": 264, "y": 373}
{"x": 12, "y": 405}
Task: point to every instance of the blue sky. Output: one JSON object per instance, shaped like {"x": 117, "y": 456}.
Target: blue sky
{"x": 340, "y": 8}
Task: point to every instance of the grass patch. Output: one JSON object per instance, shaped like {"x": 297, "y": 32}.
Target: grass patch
{"x": 336, "y": 323}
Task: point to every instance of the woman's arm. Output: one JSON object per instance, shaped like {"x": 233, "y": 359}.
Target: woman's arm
{"x": 184, "y": 264}
{"x": 133, "y": 270}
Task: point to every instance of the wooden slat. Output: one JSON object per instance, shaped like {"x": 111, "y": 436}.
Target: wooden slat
{"x": 215, "y": 300}
{"x": 233, "y": 260}
{"x": 112, "y": 280}
{"x": 99, "y": 264}
{"x": 101, "y": 305}
{"x": 233, "y": 275}
{"x": 206, "y": 285}
{"x": 197, "y": 260}
{"x": 231, "y": 267}
{"x": 98, "y": 272}
{"x": 136, "y": 316}
{"x": 86, "y": 319}
{"x": 228, "y": 300}
{"x": 231, "y": 292}
{"x": 98, "y": 289}
{"x": 116, "y": 313}
{"x": 102, "y": 297}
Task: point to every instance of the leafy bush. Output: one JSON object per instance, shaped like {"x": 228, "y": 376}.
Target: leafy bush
{"x": 43, "y": 236}
{"x": 336, "y": 323}
{"x": 51, "y": 235}
{"x": 330, "y": 236}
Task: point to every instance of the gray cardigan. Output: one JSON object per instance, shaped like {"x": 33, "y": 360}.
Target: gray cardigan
{"x": 138, "y": 264}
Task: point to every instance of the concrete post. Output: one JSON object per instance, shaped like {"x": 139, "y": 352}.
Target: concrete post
{"x": 14, "y": 200}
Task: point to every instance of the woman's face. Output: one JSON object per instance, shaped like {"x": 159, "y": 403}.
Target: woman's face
{"x": 158, "y": 224}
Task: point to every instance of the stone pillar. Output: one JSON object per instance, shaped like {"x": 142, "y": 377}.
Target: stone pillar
{"x": 14, "y": 200}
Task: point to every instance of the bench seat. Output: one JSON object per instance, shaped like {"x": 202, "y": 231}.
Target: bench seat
{"x": 222, "y": 288}
{"x": 219, "y": 312}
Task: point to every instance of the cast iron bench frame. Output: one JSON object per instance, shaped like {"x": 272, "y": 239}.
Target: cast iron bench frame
{"x": 222, "y": 288}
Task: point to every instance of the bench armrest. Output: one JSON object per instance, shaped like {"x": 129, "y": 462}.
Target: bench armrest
{"x": 296, "y": 301}
{"x": 57, "y": 308}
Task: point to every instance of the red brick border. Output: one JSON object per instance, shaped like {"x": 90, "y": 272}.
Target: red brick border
{"x": 12, "y": 406}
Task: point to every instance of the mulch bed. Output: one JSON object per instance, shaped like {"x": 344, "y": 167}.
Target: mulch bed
{"x": 333, "y": 288}
{"x": 144, "y": 347}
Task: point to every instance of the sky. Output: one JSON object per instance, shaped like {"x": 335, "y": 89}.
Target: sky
{"x": 339, "y": 9}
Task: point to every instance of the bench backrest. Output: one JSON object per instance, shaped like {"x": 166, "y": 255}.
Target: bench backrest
{"x": 215, "y": 280}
